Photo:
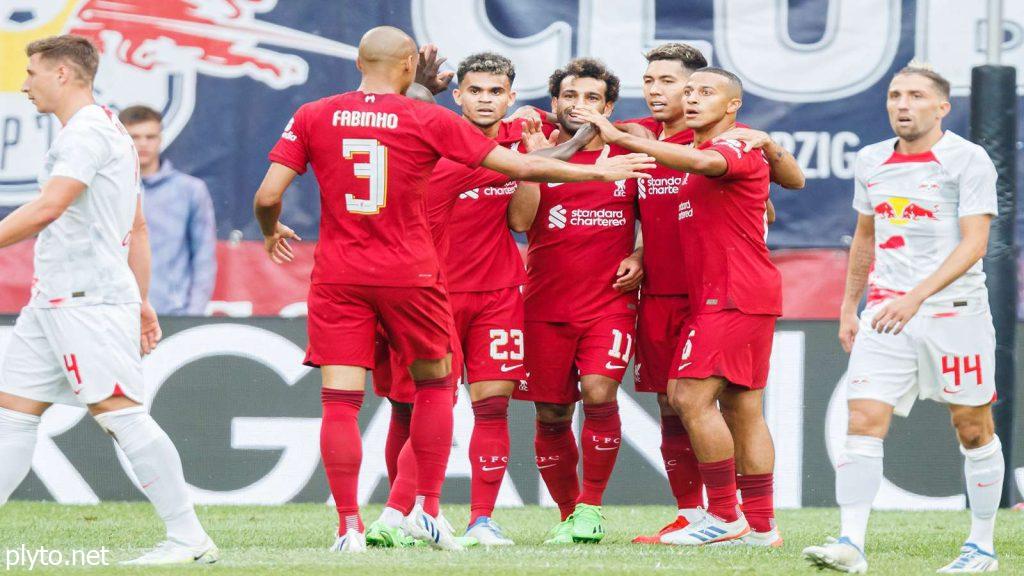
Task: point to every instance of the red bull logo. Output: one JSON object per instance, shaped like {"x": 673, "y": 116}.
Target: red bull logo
{"x": 893, "y": 243}
{"x": 151, "y": 53}
{"x": 901, "y": 211}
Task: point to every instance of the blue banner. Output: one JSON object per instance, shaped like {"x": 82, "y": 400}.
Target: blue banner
{"x": 229, "y": 73}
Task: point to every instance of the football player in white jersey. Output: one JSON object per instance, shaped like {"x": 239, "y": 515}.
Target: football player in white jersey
{"x": 80, "y": 339}
{"x": 925, "y": 201}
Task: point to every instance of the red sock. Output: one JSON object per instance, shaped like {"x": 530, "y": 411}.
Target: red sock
{"x": 488, "y": 454}
{"x": 600, "y": 437}
{"x": 431, "y": 437}
{"x": 398, "y": 433}
{"x": 557, "y": 457}
{"x": 680, "y": 463}
{"x": 341, "y": 448}
{"x": 402, "y": 496}
{"x": 758, "y": 507}
{"x": 720, "y": 479}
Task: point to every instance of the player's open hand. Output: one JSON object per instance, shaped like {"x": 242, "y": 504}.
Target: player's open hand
{"x": 630, "y": 273}
{"x": 849, "y": 324}
{"x": 429, "y": 74}
{"x": 533, "y": 136}
{"x": 609, "y": 132}
{"x": 751, "y": 138}
{"x": 151, "y": 332}
{"x": 277, "y": 246}
{"x": 526, "y": 112}
{"x": 623, "y": 166}
{"x": 893, "y": 317}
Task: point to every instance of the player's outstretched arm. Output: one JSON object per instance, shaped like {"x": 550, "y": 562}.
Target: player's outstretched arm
{"x": 139, "y": 260}
{"x": 862, "y": 255}
{"x": 974, "y": 230}
{"x": 785, "y": 170}
{"x": 675, "y": 156}
{"x": 535, "y": 168}
{"x": 267, "y": 208}
{"x": 30, "y": 219}
{"x": 522, "y": 207}
{"x": 631, "y": 270}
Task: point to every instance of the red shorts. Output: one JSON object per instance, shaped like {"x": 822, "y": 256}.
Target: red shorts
{"x": 558, "y": 353}
{"x": 729, "y": 344}
{"x": 343, "y": 319}
{"x": 660, "y": 320}
{"x": 490, "y": 329}
{"x": 391, "y": 377}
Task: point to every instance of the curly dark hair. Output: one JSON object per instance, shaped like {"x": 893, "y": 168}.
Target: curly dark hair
{"x": 586, "y": 68}
{"x": 690, "y": 58}
{"x": 489, "y": 62}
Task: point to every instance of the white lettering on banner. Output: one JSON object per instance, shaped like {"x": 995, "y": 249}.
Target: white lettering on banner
{"x": 752, "y": 39}
{"x": 821, "y": 154}
{"x": 619, "y": 34}
{"x": 890, "y": 496}
{"x": 545, "y": 51}
{"x": 952, "y": 36}
{"x": 296, "y": 438}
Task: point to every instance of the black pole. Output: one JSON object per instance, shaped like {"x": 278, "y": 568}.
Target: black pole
{"x": 994, "y": 127}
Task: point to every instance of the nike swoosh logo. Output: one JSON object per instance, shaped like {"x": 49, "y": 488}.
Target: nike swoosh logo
{"x": 685, "y": 365}
{"x": 981, "y": 485}
{"x": 547, "y": 466}
{"x": 870, "y": 184}
{"x": 606, "y": 448}
{"x": 610, "y": 366}
{"x": 553, "y": 184}
{"x": 150, "y": 483}
{"x": 491, "y": 468}
{"x": 948, "y": 391}
{"x": 507, "y": 368}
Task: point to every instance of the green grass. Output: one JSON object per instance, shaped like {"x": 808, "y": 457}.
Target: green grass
{"x": 293, "y": 539}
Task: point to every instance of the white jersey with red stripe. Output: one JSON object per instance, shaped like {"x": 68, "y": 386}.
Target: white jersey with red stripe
{"x": 917, "y": 201}
{"x": 82, "y": 257}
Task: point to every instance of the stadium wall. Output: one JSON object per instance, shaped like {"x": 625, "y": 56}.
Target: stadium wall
{"x": 244, "y": 413}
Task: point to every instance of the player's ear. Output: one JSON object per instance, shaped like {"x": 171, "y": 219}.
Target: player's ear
{"x": 734, "y": 105}
{"x": 457, "y": 95}
{"x": 608, "y": 108}
{"x": 554, "y": 105}
{"x": 511, "y": 97}
{"x": 359, "y": 64}
{"x": 944, "y": 109}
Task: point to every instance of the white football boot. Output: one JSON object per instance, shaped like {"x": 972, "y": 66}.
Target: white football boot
{"x": 841, "y": 555}
{"x": 171, "y": 552}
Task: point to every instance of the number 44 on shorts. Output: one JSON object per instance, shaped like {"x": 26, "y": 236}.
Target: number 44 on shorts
{"x": 961, "y": 366}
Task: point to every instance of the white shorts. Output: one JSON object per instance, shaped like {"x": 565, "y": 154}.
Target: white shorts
{"x": 76, "y": 355}
{"x": 946, "y": 358}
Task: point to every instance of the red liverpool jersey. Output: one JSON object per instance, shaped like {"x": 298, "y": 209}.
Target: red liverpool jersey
{"x": 723, "y": 225}
{"x": 582, "y": 232}
{"x": 373, "y": 155}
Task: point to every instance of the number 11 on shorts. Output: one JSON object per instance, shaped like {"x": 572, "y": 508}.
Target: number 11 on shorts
{"x": 617, "y": 351}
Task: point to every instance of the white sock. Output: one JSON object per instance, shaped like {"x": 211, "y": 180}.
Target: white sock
{"x": 157, "y": 465}
{"x": 17, "y": 443}
{"x": 858, "y": 477}
{"x": 984, "y": 469}
{"x": 392, "y": 517}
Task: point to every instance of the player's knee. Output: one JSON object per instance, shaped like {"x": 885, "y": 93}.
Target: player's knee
{"x": 599, "y": 391}
{"x": 429, "y": 369}
{"x": 972, "y": 430}
{"x": 866, "y": 423}
{"x": 552, "y": 413}
{"x": 665, "y": 405}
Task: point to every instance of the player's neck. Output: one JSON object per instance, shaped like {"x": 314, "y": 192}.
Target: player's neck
{"x": 673, "y": 127}
{"x": 489, "y": 131}
{"x": 920, "y": 145}
{"x": 711, "y": 131}
{"x": 371, "y": 85}
{"x": 596, "y": 143}
{"x": 71, "y": 104}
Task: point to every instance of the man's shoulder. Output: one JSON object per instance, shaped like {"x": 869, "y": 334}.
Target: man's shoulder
{"x": 874, "y": 155}
{"x": 956, "y": 153}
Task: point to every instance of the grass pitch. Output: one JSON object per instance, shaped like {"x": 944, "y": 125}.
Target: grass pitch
{"x": 293, "y": 539}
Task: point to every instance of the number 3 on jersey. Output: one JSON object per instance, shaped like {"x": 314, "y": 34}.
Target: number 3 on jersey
{"x": 375, "y": 169}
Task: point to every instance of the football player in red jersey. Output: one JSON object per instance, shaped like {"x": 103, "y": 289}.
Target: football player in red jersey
{"x": 664, "y": 305}
{"x": 735, "y": 296}
{"x": 372, "y": 151}
{"x": 580, "y": 296}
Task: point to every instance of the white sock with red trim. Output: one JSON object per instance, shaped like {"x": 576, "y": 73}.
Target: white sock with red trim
{"x": 157, "y": 465}
{"x": 984, "y": 469}
{"x": 17, "y": 443}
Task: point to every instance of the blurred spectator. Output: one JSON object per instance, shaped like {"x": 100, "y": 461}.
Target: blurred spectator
{"x": 182, "y": 229}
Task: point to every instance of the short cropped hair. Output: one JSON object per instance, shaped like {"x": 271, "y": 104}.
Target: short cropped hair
{"x": 76, "y": 51}
{"x": 689, "y": 57}
{"x": 733, "y": 79}
{"x": 585, "y": 68}
{"x": 139, "y": 114}
{"x": 489, "y": 63}
{"x": 920, "y": 68}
